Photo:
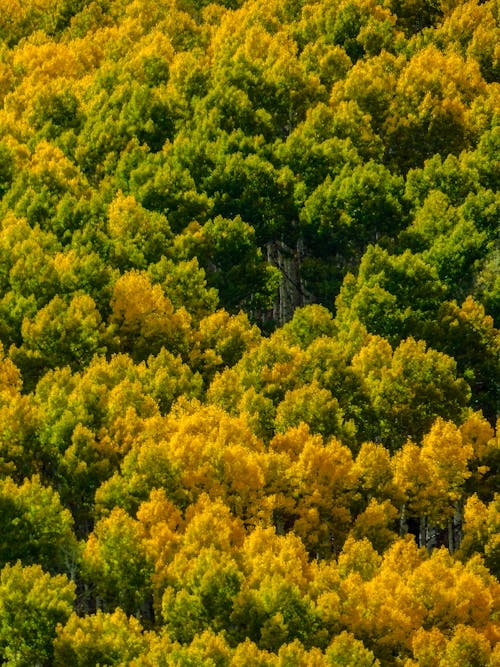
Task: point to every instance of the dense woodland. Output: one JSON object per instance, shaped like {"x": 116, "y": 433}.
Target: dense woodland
{"x": 249, "y": 369}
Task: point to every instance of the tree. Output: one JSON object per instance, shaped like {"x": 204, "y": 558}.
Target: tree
{"x": 357, "y": 207}
{"x": 382, "y": 610}
{"x": 428, "y": 646}
{"x": 273, "y": 614}
{"x": 159, "y": 184}
{"x": 222, "y": 340}
{"x": 308, "y": 324}
{"x": 453, "y": 593}
{"x": 314, "y": 406}
{"x": 434, "y": 96}
{"x": 62, "y": 334}
{"x": 107, "y": 639}
{"x": 373, "y": 469}
{"x": 200, "y": 595}
{"x": 347, "y": 651}
{"x": 295, "y": 655}
{"x": 38, "y": 189}
{"x": 369, "y": 84}
{"x": 468, "y": 334}
{"x": 471, "y": 30}
{"x": 184, "y": 282}
{"x": 7, "y": 168}
{"x": 480, "y": 532}
{"x": 324, "y": 481}
{"x": 377, "y": 523}
{"x": 145, "y": 319}
{"x": 36, "y": 527}
{"x": 432, "y": 477}
{"x": 138, "y": 237}
{"x": 116, "y": 564}
{"x": 466, "y": 647}
{"x": 21, "y": 452}
{"x": 207, "y": 649}
{"x": 393, "y": 295}
{"x": 166, "y": 378}
{"x": 27, "y": 268}
{"x": 32, "y": 603}
{"x": 417, "y": 386}
{"x": 247, "y": 654}
{"x": 240, "y": 274}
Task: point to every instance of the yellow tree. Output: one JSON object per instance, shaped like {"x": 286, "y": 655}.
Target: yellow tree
{"x": 144, "y": 317}
{"x": 452, "y": 593}
{"x": 98, "y": 639}
{"x": 324, "y": 484}
{"x": 378, "y": 605}
{"x": 434, "y": 97}
{"x": 448, "y": 457}
{"x": 420, "y": 491}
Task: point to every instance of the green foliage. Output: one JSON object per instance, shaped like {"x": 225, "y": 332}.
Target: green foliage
{"x": 346, "y": 651}
{"x": 32, "y": 604}
{"x": 98, "y": 639}
{"x": 115, "y": 560}
{"x": 314, "y": 406}
{"x": 249, "y": 299}
{"x": 36, "y": 527}
{"x": 412, "y": 389}
{"x": 393, "y": 295}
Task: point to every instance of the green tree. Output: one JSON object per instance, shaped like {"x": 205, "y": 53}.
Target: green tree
{"x": 138, "y": 237}
{"x": 200, "y": 594}
{"x": 185, "y": 284}
{"x": 62, "y": 334}
{"x": 104, "y": 639}
{"x": 417, "y": 385}
{"x": 354, "y": 209}
{"x": 314, "y": 406}
{"x": 347, "y": 651}
{"x": 36, "y": 527}
{"x": 393, "y": 295}
{"x": 32, "y": 604}
{"x": 468, "y": 334}
{"x": 115, "y": 562}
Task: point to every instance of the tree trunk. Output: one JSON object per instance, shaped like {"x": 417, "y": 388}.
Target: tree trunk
{"x": 422, "y": 536}
{"x": 457, "y": 524}
{"x": 292, "y": 293}
{"x": 451, "y": 541}
{"x": 403, "y": 523}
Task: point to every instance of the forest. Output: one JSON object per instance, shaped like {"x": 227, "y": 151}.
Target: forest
{"x": 249, "y": 333}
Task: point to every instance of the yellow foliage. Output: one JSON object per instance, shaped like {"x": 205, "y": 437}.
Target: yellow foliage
{"x": 247, "y": 654}
{"x": 293, "y": 441}
{"x": 266, "y": 554}
{"x": 445, "y": 452}
{"x": 10, "y": 379}
{"x": 163, "y": 523}
{"x": 428, "y": 646}
{"x": 375, "y": 524}
{"x": 477, "y": 431}
{"x": 373, "y": 467}
{"x": 209, "y": 523}
{"x": 145, "y": 318}
{"x": 324, "y": 481}
{"x": 452, "y": 593}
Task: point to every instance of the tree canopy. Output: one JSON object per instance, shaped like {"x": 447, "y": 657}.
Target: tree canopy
{"x": 249, "y": 343}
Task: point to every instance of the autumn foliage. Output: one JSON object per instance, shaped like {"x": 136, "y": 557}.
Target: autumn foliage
{"x": 249, "y": 345}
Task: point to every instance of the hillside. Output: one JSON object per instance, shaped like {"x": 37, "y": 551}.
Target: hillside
{"x": 249, "y": 344}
